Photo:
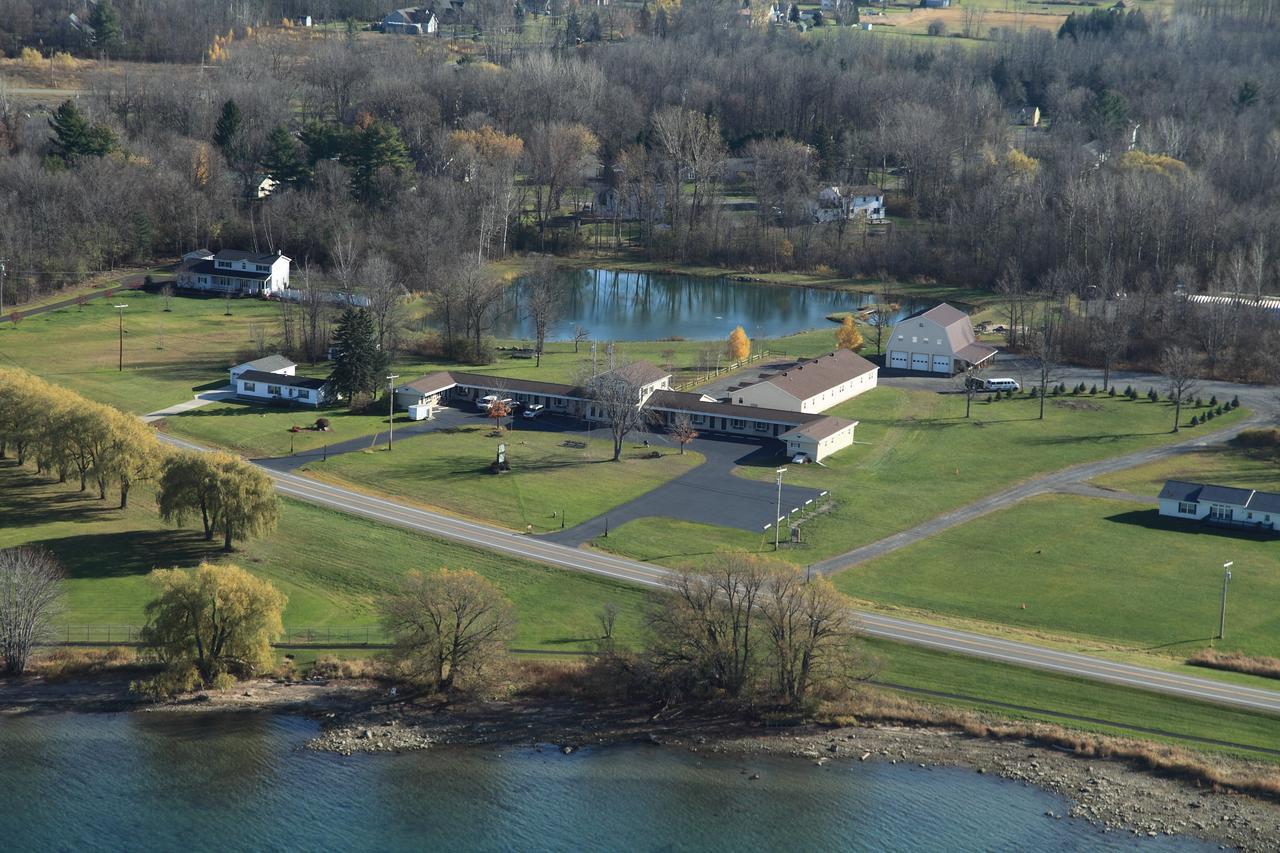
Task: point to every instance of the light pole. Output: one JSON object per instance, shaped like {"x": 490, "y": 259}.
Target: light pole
{"x": 391, "y": 408}
{"x": 777, "y": 516}
{"x": 2, "y": 263}
{"x": 1222, "y": 613}
{"x": 120, "y": 364}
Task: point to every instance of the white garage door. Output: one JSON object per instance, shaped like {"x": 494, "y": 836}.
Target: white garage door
{"x": 941, "y": 364}
{"x": 898, "y": 359}
{"x": 919, "y": 361}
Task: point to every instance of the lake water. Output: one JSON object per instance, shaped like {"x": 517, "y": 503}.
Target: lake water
{"x": 190, "y": 782}
{"x": 635, "y": 306}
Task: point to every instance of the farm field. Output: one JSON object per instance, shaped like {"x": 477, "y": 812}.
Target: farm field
{"x": 332, "y": 566}
{"x": 548, "y": 481}
{"x": 1098, "y": 570}
{"x": 916, "y": 457}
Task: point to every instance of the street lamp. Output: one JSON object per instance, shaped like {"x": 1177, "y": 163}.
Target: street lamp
{"x": 120, "y": 308}
{"x": 777, "y": 516}
{"x": 391, "y": 408}
{"x": 1222, "y": 614}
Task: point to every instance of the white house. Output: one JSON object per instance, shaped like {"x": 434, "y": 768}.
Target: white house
{"x": 836, "y": 203}
{"x": 940, "y": 340}
{"x": 811, "y": 386}
{"x": 267, "y": 364}
{"x": 816, "y": 440}
{"x": 1227, "y": 506}
{"x": 414, "y": 20}
{"x": 283, "y": 388}
{"x": 235, "y": 272}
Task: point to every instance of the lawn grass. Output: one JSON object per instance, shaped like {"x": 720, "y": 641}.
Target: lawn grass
{"x": 1104, "y": 571}
{"x": 917, "y": 457}
{"x": 1230, "y": 465}
{"x": 332, "y": 566}
{"x": 449, "y": 469}
{"x": 1046, "y": 696}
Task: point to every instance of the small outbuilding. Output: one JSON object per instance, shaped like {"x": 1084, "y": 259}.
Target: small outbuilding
{"x": 816, "y": 440}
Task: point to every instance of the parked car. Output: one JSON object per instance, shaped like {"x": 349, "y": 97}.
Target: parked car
{"x": 485, "y": 403}
{"x": 534, "y": 411}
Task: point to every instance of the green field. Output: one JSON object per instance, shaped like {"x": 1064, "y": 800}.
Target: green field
{"x": 449, "y": 470}
{"x": 1104, "y": 571}
{"x": 1224, "y": 466}
{"x": 332, "y": 566}
{"x": 917, "y": 457}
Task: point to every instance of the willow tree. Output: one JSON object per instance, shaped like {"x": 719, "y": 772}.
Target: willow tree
{"x": 218, "y": 617}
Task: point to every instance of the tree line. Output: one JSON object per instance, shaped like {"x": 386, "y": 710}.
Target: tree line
{"x": 68, "y": 436}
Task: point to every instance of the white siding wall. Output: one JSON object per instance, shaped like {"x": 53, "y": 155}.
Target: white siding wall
{"x": 279, "y": 393}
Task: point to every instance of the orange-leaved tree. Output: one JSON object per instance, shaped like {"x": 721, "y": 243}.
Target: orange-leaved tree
{"x": 848, "y": 336}
{"x": 739, "y": 345}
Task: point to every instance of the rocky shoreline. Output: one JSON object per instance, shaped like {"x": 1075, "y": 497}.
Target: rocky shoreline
{"x": 367, "y": 717}
{"x": 1110, "y": 794}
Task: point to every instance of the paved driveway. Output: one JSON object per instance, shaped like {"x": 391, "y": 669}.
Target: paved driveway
{"x": 708, "y": 494}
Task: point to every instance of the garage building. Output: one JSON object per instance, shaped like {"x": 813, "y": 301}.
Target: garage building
{"x": 940, "y": 340}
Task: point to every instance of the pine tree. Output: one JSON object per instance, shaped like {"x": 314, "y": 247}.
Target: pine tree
{"x": 75, "y": 137}
{"x": 644, "y": 19}
{"x": 376, "y": 147}
{"x": 283, "y": 160}
{"x": 230, "y": 122}
{"x": 358, "y": 364}
{"x": 572, "y": 29}
{"x": 106, "y": 27}
{"x": 855, "y": 18}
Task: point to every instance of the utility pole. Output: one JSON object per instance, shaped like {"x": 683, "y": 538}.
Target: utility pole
{"x": 120, "y": 308}
{"x": 2, "y": 263}
{"x": 1222, "y": 614}
{"x": 777, "y": 516}
{"x": 391, "y": 407}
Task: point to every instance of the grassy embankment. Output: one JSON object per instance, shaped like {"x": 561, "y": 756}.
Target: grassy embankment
{"x": 917, "y": 457}
{"x": 548, "y": 480}
{"x": 331, "y": 566}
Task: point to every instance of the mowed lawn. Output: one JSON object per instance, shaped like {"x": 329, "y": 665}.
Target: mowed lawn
{"x": 332, "y": 566}
{"x": 916, "y": 456}
{"x": 1110, "y": 571}
{"x": 549, "y": 478}
{"x": 1231, "y": 465}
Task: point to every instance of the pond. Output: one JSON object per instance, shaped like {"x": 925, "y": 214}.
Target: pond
{"x": 195, "y": 782}
{"x": 639, "y": 306}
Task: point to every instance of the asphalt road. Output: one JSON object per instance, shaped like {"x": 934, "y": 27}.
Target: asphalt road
{"x": 630, "y": 571}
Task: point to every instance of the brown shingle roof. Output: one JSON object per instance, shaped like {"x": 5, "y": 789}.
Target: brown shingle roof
{"x": 821, "y": 428}
{"x": 682, "y": 401}
{"x": 641, "y": 372}
{"x": 811, "y": 378}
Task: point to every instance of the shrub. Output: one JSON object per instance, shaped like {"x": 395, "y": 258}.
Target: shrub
{"x": 1111, "y": 392}
{"x": 937, "y": 27}
{"x": 223, "y": 681}
{"x": 1093, "y": 391}
{"x": 1218, "y": 410}
{"x": 322, "y": 423}
{"x": 1128, "y": 391}
{"x": 1008, "y": 394}
{"x": 64, "y": 61}
{"x": 176, "y": 679}
{"x": 1153, "y": 395}
{"x": 1236, "y": 662}
{"x": 1195, "y": 421}
{"x": 1235, "y": 402}
{"x": 31, "y": 56}
{"x": 1265, "y": 437}
{"x": 1213, "y": 401}
{"x": 1208, "y": 416}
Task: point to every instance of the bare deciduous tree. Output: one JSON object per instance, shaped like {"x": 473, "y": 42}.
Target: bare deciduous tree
{"x": 30, "y": 599}
{"x": 608, "y": 618}
{"x": 543, "y": 302}
{"x": 1043, "y": 346}
{"x": 448, "y": 626}
{"x": 682, "y": 431}
{"x": 1181, "y": 368}
{"x": 616, "y": 398}
{"x": 811, "y": 634}
{"x": 386, "y": 291}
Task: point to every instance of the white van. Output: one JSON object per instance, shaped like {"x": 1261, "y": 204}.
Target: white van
{"x": 1003, "y": 383}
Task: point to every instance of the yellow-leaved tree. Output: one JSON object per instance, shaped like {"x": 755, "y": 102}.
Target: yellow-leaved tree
{"x": 739, "y": 345}
{"x": 217, "y": 618}
{"x": 848, "y": 336}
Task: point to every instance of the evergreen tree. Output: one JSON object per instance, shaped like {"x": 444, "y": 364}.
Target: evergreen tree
{"x": 660, "y": 22}
{"x": 358, "y": 364}
{"x": 374, "y": 147}
{"x": 793, "y": 14}
{"x": 106, "y": 27}
{"x": 283, "y": 160}
{"x": 572, "y": 29}
{"x": 229, "y": 125}
{"x": 324, "y": 141}
{"x": 855, "y": 17}
{"x": 644, "y": 20}
{"x": 595, "y": 29}
{"x": 75, "y": 137}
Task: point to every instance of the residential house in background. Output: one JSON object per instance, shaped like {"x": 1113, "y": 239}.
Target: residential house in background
{"x": 940, "y": 340}
{"x": 413, "y": 20}
{"x": 1225, "y": 506}
{"x": 835, "y": 203}
{"x": 235, "y": 272}
{"x": 277, "y": 364}
{"x": 810, "y": 386}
